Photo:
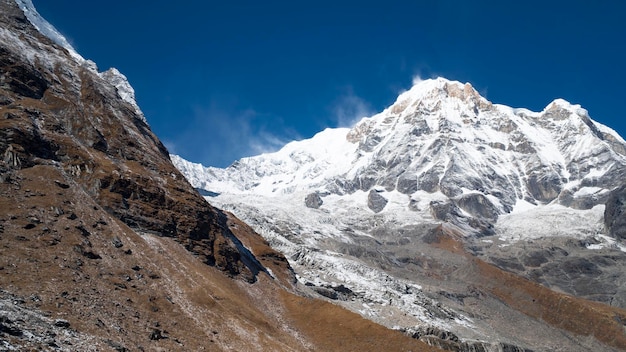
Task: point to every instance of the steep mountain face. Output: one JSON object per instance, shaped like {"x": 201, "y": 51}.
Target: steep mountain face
{"x": 64, "y": 114}
{"x": 103, "y": 243}
{"x": 401, "y": 217}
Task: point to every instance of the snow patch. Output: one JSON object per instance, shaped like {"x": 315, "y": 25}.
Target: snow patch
{"x": 587, "y": 191}
{"x": 606, "y": 242}
{"x": 124, "y": 89}
{"x": 552, "y": 220}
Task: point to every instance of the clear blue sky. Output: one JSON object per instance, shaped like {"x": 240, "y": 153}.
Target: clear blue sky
{"x": 219, "y": 80}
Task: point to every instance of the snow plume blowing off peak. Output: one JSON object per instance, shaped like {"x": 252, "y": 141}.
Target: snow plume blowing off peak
{"x": 349, "y": 109}
{"x": 45, "y": 28}
{"x": 113, "y": 76}
{"x": 417, "y": 79}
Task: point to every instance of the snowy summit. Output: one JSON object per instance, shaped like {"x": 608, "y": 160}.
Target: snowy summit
{"x": 348, "y": 199}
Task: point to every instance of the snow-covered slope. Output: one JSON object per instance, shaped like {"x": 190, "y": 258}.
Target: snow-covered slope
{"x": 351, "y": 208}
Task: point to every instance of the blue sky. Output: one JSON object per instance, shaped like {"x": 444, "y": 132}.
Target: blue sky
{"x": 219, "y": 80}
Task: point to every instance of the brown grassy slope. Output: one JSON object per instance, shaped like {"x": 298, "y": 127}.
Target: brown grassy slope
{"x": 582, "y": 317}
{"x": 576, "y": 315}
{"x": 340, "y": 330}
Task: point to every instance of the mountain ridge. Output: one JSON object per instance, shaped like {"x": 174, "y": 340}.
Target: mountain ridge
{"x": 551, "y": 165}
{"x": 358, "y": 211}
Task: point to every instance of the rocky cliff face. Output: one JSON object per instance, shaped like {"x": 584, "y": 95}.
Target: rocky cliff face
{"x": 103, "y": 243}
{"x": 64, "y": 115}
{"x": 521, "y": 191}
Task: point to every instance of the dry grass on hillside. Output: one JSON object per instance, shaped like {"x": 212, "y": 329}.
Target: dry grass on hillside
{"x": 579, "y": 316}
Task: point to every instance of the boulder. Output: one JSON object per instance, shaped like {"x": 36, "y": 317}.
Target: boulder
{"x": 376, "y": 202}
{"x": 313, "y": 200}
{"x": 478, "y": 206}
{"x": 62, "y": 323}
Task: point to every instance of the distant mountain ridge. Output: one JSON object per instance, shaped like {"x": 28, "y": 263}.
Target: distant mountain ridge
{"x": 363, "y": 213}
{"x": 442, "y": 137}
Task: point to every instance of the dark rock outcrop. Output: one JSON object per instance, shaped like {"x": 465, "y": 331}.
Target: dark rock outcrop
{"x": 444, "y": 211}
{"x": 478, "y": 206}
{"x": 406, "y": 183}
{"x": 376, "y": 202}
{"x": 544, "y": 187}
{"x": 615, "y": 214}
{"x": 19, "y": 78}
{"x": 448, "y": 341}
{"x": 313, "y": 200}
{"x": 568, "y": 199}
{"x": 429, "y": 181}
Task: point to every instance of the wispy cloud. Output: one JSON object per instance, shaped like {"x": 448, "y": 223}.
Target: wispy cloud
{"x": 221, "y": 134}
{"x": 266, "y": 142}
{"x": 171, "y": 146}
{"x": 484, "y": 92}
{"x": 349, "y": 108}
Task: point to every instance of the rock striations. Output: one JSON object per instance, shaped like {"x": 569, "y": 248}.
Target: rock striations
{"x": 432, "y": 211}
{"x": 103, "y": 243}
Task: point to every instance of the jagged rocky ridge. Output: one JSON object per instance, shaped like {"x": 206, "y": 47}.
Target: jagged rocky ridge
{"x": 64, "y": 114}
{"x": 103, "y": 243}
{"x": 363, "y": 210}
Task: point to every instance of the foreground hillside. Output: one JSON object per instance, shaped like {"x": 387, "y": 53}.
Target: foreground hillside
{"x": 105, "y": 246}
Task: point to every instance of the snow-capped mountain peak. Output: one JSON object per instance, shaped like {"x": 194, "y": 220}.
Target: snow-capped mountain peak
{"x": 442, "y": 140}
{"x": 346, "y": 200}
{"x": 124, "y": 89}
{"x": 438, "y": 88}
